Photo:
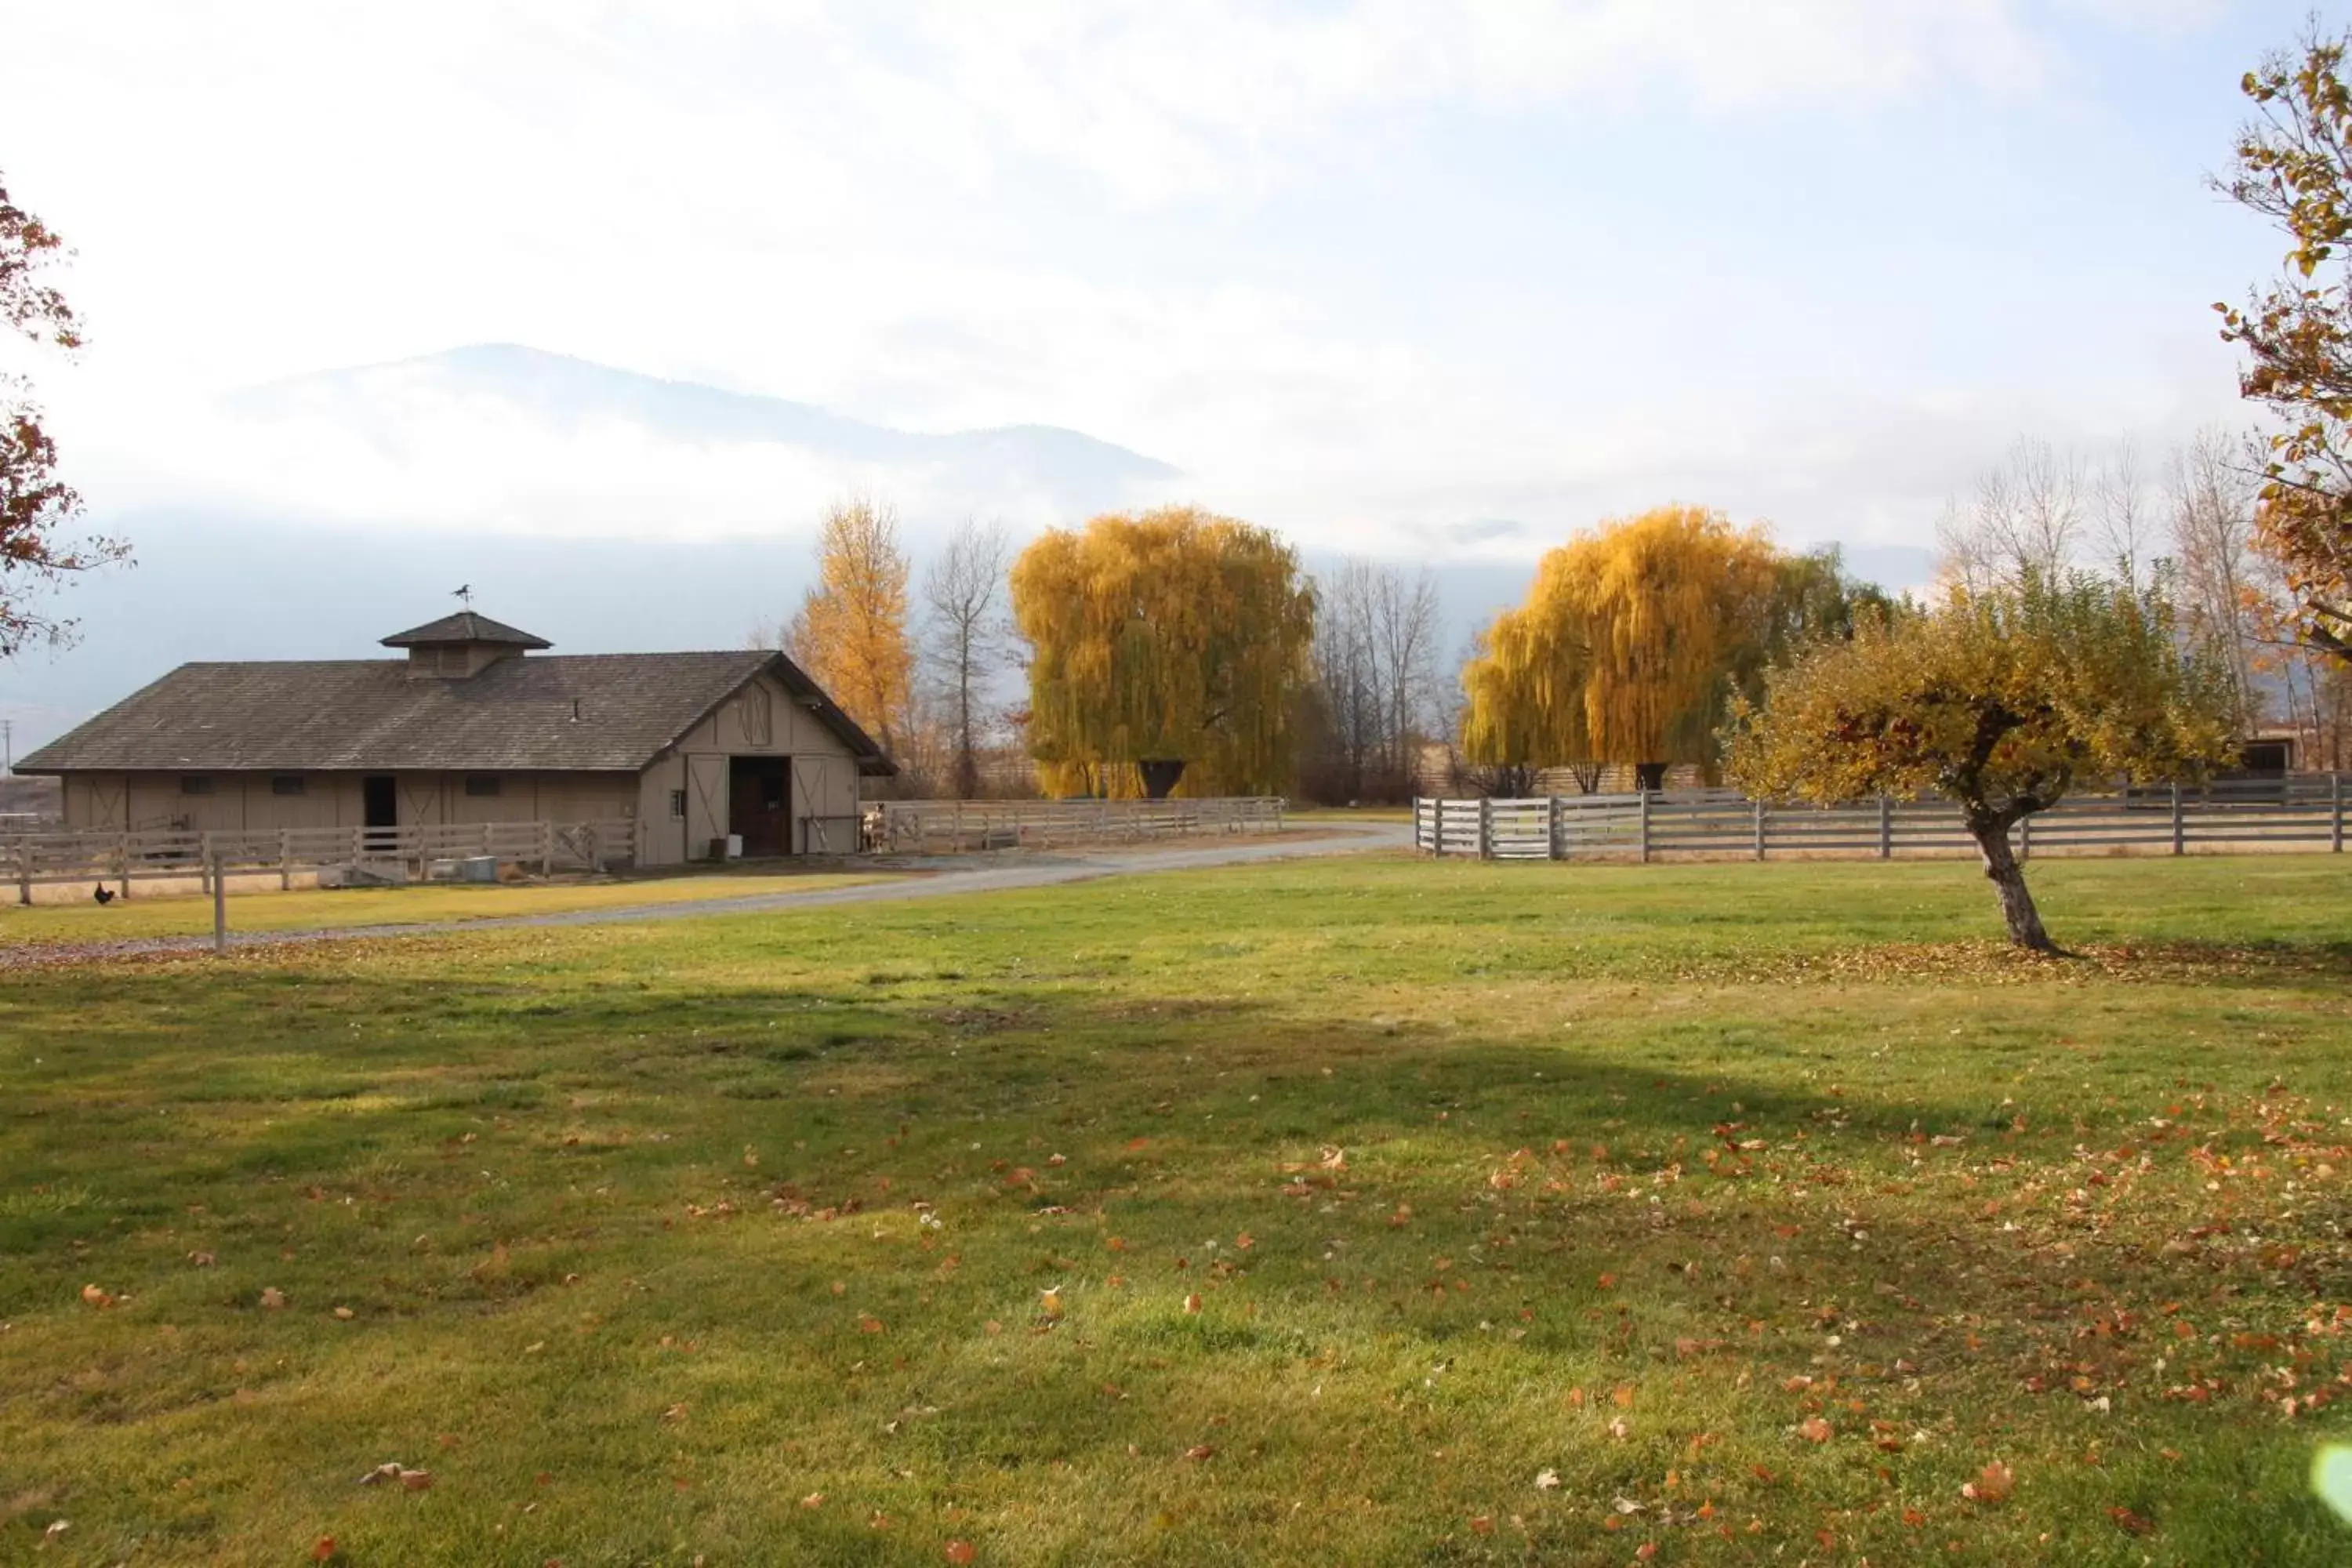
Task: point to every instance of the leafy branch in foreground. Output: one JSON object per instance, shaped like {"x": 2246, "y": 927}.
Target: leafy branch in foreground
{"x": 37, "y": 508}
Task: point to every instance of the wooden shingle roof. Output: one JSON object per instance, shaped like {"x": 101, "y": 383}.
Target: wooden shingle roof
{"x": 602, "y": 713}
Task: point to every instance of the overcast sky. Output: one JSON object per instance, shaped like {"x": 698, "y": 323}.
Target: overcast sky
{"x": 1373, "y": 272}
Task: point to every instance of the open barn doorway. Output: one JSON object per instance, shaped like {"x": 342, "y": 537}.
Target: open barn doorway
{"x": 758, "y": 805}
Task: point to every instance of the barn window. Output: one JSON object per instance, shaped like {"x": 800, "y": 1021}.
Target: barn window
{"x": 285, "y": 784}
{"x": 677, "y": 805}
{"x": 196, "y": 784}
{"x": 481, "y": 784}
{"x": 758, "y": 728}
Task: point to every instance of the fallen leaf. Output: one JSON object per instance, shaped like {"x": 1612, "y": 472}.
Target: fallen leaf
{"x": 58, "y": 1527}
{"x": 960, "y": 1551}
{"x": 1618, "y": 1429}
{"x": 1192, "y": 1304}
{"x": 2129, "y": 1523}
{"x": 344, "y": 1313}
{"x": 1049, "y": 1302}
{"x": 868, "y": 1325}
{"x": 323, "y": 1550}
{"x": 1547, "y": 1481}
{"x": 1993, "y": 1483}
{"x": 96, "y": 1295}
{"x": 200, "y": 1259}
{"x": 273, "y": 1298}
{"x": 814, "y": 1500}
{"x": 416, "y": 1481}
{"x": 1482, "y": 1525}
{"x": 1200, "y": 1451}
{"x": 1813, "y": 1429}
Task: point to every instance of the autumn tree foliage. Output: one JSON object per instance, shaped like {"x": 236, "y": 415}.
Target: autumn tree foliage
{"x": 2001, "y": 700}
{"x": 850, "y": 633}
{"x": 2292, "y": 165}
{"x": 1168, "y": 646}
{"x": 1635, "y": 636}
{"x": 38, "y": 510}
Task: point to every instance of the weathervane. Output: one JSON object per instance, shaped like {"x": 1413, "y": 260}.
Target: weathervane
{"x": 463, "y": 594}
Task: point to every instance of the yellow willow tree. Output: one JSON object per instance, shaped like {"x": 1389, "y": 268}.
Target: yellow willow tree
{"x": 1628, "y": 649}
{"x": 1168, "y": 646}
{"x": 850, "y": 634}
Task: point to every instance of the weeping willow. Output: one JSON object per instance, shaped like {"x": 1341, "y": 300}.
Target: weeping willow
{"x": 1174, "y": 642}
{"x": 1627, "y": 647}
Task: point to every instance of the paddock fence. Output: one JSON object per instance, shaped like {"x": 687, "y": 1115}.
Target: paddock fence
{"x": 2303, "y": 811}
{"x": 121, "y": 859}
{"x": 963, "y": 827}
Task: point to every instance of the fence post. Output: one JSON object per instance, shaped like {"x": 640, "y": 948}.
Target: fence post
{"x": 1554, "y": 849}
{"x": 1486, "y": 829}
{"x": 207, "y": 874}
{"x": 2179, "y": 822}
{"x": 1885, "y": 828}
{"x": 220, "y": 900}
{"x": 1644, "y": 798}
{"x": 2335, "y": 812}
{"x": 1759, "y": 830}
{"x": 1437, "y": 827}
{"x": 24, "y": 870}
{"x": 285, "y": 861}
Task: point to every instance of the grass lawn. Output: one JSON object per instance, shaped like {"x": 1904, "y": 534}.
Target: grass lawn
{"x": 425, "y": 904}
{"x": 1373, "y": 1212}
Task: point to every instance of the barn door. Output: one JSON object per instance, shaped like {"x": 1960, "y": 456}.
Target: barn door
{"x": 705, "y": 803}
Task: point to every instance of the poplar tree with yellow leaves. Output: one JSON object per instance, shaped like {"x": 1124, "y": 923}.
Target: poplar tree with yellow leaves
{"x": 850, "y": 633}
{"x": 1167, "y": 647}
{"x": 1632, "y": 641}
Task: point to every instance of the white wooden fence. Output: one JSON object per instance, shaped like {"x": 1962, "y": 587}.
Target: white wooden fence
{"x": 957, "y": 826}
{"x": 2302, "y": 811}
{"x": 35, "y": 859}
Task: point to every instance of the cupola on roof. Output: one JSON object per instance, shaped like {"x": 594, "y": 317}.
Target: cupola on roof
{"x": 461, "y": 629}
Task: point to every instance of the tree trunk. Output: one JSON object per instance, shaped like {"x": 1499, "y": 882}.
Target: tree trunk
{"x": 1160, "y": 775}
{"x": 1650, "y": 778}
{"x": 2007, "y": 879}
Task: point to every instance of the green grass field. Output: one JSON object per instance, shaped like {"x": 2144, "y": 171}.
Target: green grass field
{"x": 1372, "y": 1212}
{"x": 85, "y": 920}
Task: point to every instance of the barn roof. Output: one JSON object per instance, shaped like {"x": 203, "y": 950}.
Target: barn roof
{"x": 603, "y": 712}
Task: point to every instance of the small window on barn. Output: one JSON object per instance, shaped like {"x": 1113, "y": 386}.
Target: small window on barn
{"x": 758, "y": 727}
{"x": 196, "y": 784}
{"x": 677, "y": 805}
{"x": 285, "y": 784}
{"x": 479, "y": 784}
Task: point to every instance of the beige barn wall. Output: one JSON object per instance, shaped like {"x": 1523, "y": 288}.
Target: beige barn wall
{"x": 249, "y": 803}
{"x": 824, "y": 775}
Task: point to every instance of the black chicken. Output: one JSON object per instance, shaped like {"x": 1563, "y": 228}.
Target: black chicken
{"x": 102, "y": 893}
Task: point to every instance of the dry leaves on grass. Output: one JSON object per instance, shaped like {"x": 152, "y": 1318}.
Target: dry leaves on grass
{"x": 962, "y": 1552}
{"x": 394, "y": 1470}
{"x": 1993, "y": 1483}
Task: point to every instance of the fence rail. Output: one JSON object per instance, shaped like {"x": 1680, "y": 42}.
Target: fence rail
{"x": 39, "y": 859}
{"x": 2306, "y": 811}
{"x": 960, "y": 826}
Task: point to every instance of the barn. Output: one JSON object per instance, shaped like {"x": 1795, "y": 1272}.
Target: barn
{"x": 476, "y": 723}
